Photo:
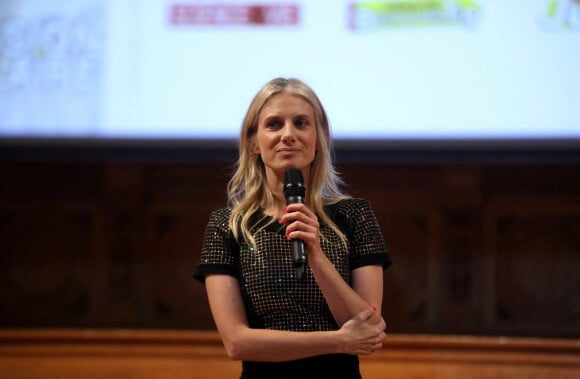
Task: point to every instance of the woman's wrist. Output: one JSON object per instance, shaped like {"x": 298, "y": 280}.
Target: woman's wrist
{"x": 315, "y": 257}
{"x": 338, "y": 342}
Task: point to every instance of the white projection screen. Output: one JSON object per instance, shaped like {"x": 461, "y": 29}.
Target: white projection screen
{"x": 384, "y": 70}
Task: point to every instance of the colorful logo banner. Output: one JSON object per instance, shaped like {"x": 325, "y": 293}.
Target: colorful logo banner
{"x": 221, "y": 14}
{"x": 561, "y": 15}
{"x": 372, "y": 15}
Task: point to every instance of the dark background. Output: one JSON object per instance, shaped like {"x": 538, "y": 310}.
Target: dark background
{"x": 485, "y": 238}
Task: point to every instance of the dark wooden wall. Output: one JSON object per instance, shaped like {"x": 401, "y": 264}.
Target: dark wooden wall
{"x": 479, "y": 247}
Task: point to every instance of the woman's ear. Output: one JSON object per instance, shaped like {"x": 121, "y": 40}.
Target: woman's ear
{"x": 255, "y": 149}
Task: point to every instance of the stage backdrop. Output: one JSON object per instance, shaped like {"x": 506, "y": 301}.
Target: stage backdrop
{"x": 486, "y": 249}
{"x": 392, "y": 69}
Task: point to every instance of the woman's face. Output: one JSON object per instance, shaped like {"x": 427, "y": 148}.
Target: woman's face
{"x": 286, "y": 136}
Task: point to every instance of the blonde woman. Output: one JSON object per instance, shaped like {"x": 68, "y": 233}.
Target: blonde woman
{"x": 278, "y": 324}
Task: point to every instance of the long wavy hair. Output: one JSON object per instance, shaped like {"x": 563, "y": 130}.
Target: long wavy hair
{"x": 248, "y": 190}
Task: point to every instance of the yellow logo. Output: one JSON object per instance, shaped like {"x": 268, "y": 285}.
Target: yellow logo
{"x": 561, "y": 14}
{"x": 369, "y": 15}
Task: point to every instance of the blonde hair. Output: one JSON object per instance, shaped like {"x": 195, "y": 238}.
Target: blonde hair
{"x": 248, "y": 190}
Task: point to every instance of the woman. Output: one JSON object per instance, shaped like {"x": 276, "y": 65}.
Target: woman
{"x": 279, "y": 325}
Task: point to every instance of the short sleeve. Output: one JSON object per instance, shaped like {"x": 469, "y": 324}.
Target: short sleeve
{"x": 219, "y": 251}
{"x": 367, "y": 246}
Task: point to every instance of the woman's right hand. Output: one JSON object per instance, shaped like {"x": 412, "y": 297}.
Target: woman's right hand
{"x": 358, "y": 336}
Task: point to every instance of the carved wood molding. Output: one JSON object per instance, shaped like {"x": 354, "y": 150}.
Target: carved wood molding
{"x": 83, "y": 340}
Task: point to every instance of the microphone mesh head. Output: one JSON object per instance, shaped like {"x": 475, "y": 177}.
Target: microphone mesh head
{"x": 294, "y": 183}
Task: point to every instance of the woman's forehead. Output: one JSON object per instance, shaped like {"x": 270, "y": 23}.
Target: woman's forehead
{"x": 286, "y": 103}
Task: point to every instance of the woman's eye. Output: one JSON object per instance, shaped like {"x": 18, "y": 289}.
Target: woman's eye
{"x": 272, "y": 124}
{"x": 301, "y": 123}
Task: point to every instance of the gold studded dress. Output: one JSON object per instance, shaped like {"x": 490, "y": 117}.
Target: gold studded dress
{"x": 274, "y": 297}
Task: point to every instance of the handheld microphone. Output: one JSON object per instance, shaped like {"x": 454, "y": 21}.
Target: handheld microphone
{"x": 295, "y": 191}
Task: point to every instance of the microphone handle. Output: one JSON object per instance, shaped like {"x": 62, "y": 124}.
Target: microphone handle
{"x": 299, "y": 257}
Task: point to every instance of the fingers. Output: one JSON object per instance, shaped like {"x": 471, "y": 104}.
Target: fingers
{"x": 365, "y": 337}
{"x": 365, "y": 314}
{"x": 376, "y": 346}
{"x": 300, "y": 223}
{"x": 375, "y": 343}
{"x": 369, "y": 348}
{"x": 301, "y": 231}
{"x": 383, "y": 324}
{"x": 298, "y": 212}
{"x": 298, "y": 207}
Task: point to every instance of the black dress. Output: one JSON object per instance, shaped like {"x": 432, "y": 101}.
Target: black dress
{"x": 274, "y": 298}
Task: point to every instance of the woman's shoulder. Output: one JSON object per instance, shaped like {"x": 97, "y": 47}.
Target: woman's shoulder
{"x": 350, "y": 205}
{"x": 221, "y": 212}
{"x": 345, "y": 212}
{"x": 220, "y": 216}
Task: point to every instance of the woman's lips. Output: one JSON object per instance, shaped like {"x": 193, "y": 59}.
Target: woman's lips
{"x": 287, "y": 150}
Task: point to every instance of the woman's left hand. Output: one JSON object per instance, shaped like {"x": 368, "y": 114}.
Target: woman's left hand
{"x": 301, "y": 223}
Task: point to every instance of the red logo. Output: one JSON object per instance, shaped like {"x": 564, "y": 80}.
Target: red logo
{"x": 233, "y": 14}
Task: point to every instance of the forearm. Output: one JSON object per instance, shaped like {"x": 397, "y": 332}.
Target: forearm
{"x": 268, "y": 345}
{"x": 245, "y": 343}
{"x": 343, "y": 300}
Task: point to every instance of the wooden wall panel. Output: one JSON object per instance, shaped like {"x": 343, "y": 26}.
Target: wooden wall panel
{"x": 177, "y": 300}
{"x": 45, "y": 263}
{"x": 478, "y": 249}
{"x": 406, "y": 298}
{"x": 535, "y": 245}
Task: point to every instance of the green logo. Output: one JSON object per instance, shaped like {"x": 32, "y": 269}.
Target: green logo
{"x": 369, "y": 15}
{"x": 561, "y": 14}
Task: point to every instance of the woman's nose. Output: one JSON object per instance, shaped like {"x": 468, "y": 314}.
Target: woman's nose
{"x": 288, "y": 132}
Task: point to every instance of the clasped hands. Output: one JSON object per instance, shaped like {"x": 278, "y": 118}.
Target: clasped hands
{"x": 361, "y": 335}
